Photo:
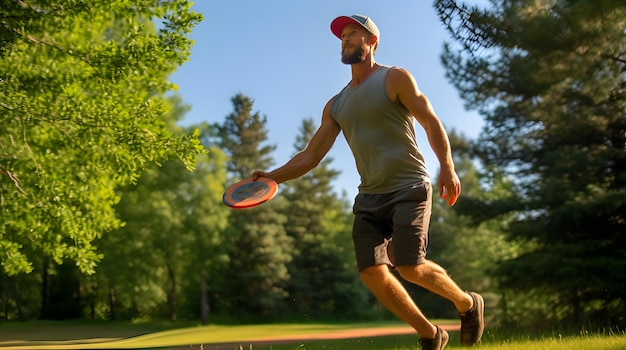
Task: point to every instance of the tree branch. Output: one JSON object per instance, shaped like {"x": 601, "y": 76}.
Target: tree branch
{"x": 14, "y": 178}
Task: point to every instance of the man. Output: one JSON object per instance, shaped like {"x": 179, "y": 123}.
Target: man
{"x": 376, "y": 113}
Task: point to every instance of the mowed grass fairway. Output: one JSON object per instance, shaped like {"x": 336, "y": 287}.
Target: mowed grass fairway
{"x": 114, "y": 335}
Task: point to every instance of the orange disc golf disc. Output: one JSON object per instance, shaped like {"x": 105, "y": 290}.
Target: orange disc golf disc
{"x": 249, "y": 193}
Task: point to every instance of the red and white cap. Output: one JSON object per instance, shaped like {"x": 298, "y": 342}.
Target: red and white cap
{"x": 336, "y": 26}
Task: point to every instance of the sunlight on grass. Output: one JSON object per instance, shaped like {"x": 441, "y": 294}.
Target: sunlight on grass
{"x": 410, "y": 343}
{"x": 575, "y": 343}
{"x": 193, "y": 335}
{"x": 248, "y": 336}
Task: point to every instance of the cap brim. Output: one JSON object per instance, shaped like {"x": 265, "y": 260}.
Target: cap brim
{"x": 336, "y": 26}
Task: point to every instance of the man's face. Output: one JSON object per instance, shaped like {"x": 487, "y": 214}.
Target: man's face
{"x": 354, "y": 46}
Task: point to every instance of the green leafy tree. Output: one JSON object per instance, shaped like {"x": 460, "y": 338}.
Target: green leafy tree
{"x": 172, "y": 237}
{"x": 82, "y": 95}
{"x": 550, "y": 79}
{"x": 323, "y": 282}
{"x": 206, "y": 220}
{"x": 257, "y": 272}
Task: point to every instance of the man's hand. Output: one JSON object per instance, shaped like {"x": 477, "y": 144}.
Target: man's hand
{"x": 258, "y": 173}
{"x": 449, "y": 186}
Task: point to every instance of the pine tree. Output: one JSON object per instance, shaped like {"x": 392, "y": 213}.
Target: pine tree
{"x": 550, "y": 79}
{"x": 257, "y": 272}
{"x": 323, "y": 279}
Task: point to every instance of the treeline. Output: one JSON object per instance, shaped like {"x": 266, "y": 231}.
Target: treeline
{"x": 111, "y": 210}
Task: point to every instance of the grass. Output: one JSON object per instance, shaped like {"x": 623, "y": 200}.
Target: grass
{"x": 407, "y": 342}
{"x": 117, "y": 335}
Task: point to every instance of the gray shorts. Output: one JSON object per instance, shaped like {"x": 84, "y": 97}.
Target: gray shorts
{"x": 403, "y": 215}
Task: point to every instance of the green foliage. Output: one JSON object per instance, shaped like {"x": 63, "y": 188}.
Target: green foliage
{"x": 82, "y": 88}
{"x": 550, "y": 79}
{"x": 172, "y": 238}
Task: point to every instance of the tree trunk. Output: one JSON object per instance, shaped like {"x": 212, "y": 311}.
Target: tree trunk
{"x": 112, "y": 302}
{"x": 204, "y": 306}
{"x": 45, "y": 301}
{"x": 171, "y": 295}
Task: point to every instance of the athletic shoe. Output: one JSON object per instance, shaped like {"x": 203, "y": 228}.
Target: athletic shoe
{"x": 437, "y": 343}
{"x": 473, "y": 321}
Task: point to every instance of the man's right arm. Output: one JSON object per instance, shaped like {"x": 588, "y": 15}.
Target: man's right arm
{"x": 311, "y": 156}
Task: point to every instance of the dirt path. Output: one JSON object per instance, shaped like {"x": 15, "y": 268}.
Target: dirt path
{"x": 295, "y": 338}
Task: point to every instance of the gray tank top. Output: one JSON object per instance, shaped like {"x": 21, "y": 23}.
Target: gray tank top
{"x": 381, "y": 136}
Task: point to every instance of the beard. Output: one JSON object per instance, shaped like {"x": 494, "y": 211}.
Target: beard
{"x": 354, "y": 57}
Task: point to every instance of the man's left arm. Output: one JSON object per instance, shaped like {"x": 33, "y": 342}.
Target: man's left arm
{"x": 402, "y": 87}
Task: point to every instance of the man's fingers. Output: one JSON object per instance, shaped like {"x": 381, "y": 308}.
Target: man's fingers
{"x": 453, "y": 194}
{"x": 452, "y": 200}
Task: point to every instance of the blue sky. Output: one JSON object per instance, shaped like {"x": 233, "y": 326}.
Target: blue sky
{"x": 282, "y": 54}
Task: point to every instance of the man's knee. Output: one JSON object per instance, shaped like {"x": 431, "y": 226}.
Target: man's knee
{"x": 411, "y": 272}
{"x": 419, "y": 272}
{"x": 374, "y": 274}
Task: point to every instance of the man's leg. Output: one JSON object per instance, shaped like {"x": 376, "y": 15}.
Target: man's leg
{"x": 392, "y": 294}
{"x": 435, "y": 279}
{"x": 470, "y": 306}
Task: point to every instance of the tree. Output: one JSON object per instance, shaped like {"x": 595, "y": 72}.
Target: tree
{"x": 549, "y": 78}
{"x": 207, "y": 220}
{"x": 82, "y": 94}
{"x": 172, "y": 238}
{"x": 242, "y": 135}
{"x": 260, "y": 249}
{"x": 323, "y": 280}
